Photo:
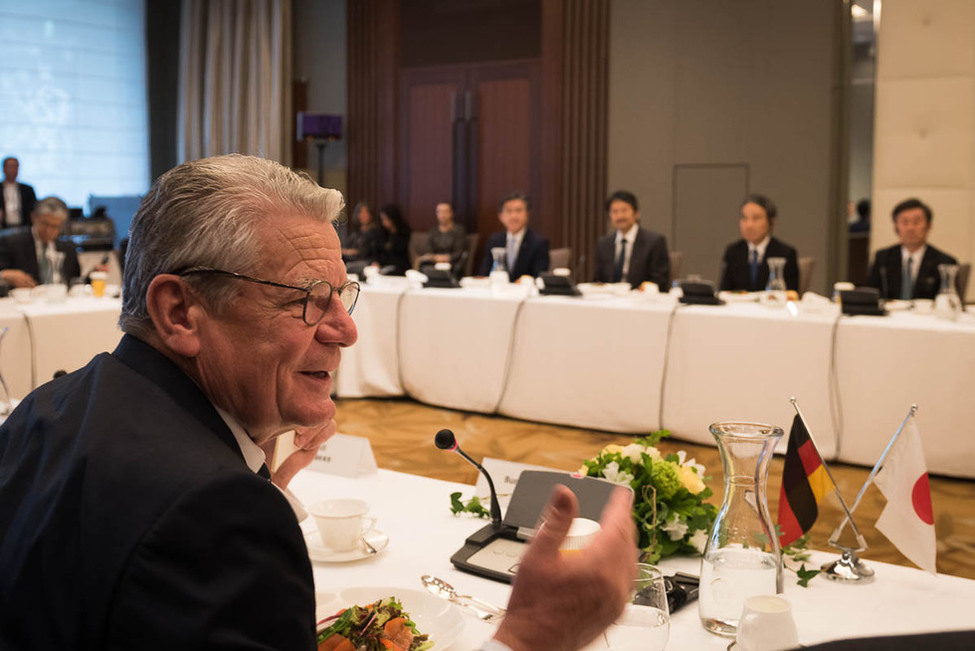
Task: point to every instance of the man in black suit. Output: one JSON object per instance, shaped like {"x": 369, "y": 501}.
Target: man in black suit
{"x": 912, "y": 223}
{"x": 136, "y": 508}
{"x": 526, "y": 253}
{"x": 745, "y": 262}
{"x": 632, "y": 253}
{"x": 28, "y": 255}
{"x": 16, "y": 199}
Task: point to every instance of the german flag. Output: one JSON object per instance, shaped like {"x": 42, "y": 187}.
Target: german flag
{"x": 804, "y": 485}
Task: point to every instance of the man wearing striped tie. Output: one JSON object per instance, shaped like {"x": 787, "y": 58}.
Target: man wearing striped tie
{"x": 909, "y": 270}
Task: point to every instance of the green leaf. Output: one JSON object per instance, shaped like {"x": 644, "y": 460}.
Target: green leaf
{"x": 473, "y": 506}
{"x": 805, "y": 575}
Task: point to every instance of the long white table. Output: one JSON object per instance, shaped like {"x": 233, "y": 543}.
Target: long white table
{"x": 625, "y": 364}
{"x": 414, "y": 512}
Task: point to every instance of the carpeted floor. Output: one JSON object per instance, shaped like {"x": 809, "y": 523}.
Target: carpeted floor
{"x": 401, "y": 433}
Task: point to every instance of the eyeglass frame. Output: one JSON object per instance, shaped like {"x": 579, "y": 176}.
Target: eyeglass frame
{"x": 192, "y": 271}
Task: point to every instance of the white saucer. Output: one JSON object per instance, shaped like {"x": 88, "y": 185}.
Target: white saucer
{"x": 321, "y": 554}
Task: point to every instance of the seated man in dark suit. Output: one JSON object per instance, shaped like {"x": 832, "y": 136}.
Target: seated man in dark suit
{"x": 16, "y": 199}
{"x": 912, "y": 223}
{"x": 744, "y": 265}
{"x": 136, "y": 508}
{"x": 632, "y": 253}
{"x": 28, "y": 255}
{"x": 526, "y": 251}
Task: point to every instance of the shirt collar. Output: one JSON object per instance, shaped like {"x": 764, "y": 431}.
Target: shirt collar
{"x": 760, "y": 247}
{"x": 629, "y": 235}
{"x": 916, "y": 256}
{"x": 254, "y": 456}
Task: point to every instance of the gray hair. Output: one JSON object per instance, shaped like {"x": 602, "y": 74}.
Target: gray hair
{"x": 51, "y": 206}
{"x": 205, "y": 213}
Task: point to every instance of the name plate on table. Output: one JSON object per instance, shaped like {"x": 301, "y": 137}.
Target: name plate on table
{"x": 346, "y": 456}
{"x": 505, "y": 475}
{"x": 343, "y": 455}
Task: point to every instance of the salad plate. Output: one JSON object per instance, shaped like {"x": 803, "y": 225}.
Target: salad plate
{"x": 439, "y": 619}
{"x": 322, "y": 554}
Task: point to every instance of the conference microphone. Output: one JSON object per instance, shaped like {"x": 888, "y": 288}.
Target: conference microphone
{"x": 445, "y": 440}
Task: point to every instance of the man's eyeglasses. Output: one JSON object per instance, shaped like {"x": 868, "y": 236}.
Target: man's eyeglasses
{"x": 318, "y": 294}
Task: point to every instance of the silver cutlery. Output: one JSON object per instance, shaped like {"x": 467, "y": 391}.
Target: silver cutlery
{"x": 483, "y": 609}
{"x": 369, "y": 548}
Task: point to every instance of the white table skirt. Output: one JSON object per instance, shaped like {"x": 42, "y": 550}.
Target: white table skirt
{"x": 593, "y": 363}
{"x": 414, "y": 512}
{"x": 598, "y": 363}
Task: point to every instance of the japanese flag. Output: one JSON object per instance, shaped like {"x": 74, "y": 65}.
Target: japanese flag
{"x": 907, "y": 520}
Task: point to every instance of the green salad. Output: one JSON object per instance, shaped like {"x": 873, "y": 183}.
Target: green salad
{"x": 380, "y": 626}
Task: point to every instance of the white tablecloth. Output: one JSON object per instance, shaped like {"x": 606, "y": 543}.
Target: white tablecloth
{"x": 590, "y": 363}
{"x": 370, "y": 367}
{"x": 414, "y": 512}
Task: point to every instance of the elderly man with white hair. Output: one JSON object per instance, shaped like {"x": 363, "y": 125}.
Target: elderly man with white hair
{"x": 136, "y": 509}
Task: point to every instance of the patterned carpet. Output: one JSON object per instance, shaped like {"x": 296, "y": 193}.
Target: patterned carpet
{"x": 401, "y": 433}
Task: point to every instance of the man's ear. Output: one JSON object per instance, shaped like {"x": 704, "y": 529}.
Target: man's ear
{"x": 175, "y": 311}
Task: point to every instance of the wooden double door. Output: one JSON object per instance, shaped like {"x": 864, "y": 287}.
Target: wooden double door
{"x": 469, "y": 134}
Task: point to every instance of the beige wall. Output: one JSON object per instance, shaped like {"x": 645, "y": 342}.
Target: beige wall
{"x": 708, "y": 97}
{"x": 924, "y": 141}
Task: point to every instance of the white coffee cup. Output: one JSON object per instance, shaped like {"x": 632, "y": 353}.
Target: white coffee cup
{"x": 341, "y": 522}
{"x": 766, "y": 624}
{"x": 22, "y": 294}
{"x": 55, "y": 293}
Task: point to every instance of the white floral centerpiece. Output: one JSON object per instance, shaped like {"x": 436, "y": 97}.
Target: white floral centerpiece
{"x": 668, "y": 507}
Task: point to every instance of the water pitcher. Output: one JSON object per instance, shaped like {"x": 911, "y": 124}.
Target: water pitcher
{"x": 775, "y": 288}
{"x": 947, "y": 305}
{"x": 499, "y": 269}
{"x": 742, "y": 557}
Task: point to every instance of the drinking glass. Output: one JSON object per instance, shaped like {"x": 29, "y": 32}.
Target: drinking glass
{"x": 645, "y": 623}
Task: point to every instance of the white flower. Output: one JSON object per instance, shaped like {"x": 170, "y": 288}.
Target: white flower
{"x": 682, "y": 454}
{"x": 699, "y": 540}
{"x": 633, "y": 452}
{"x": 654, "y": 454}
{"x": 675, "y": 527}
{"x": 613, "y": 473}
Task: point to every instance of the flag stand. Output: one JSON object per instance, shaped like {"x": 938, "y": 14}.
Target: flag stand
{"x": 848, "y": 568}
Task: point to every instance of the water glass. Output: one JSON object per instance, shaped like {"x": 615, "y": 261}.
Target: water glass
{"x": 645, "y": 623}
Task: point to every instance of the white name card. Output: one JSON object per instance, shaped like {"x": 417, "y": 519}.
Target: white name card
{"x": 505, "y": 475}
{"x": 346, "y": 456}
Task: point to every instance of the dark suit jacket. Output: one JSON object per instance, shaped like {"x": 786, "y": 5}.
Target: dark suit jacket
{"x": 27, "y": 201}
{"x": 736, "y": 274}
{"x": 532, "y": 255}
{"x": 649, "y": 259}
{"x": 885, "y": 274}
{"x": 17, "y": 251}
{"x": 129, "y": 520}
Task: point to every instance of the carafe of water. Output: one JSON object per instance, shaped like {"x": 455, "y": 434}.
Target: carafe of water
{"x": 499, "y": 269}
{"x": 947, "y": 305}
{"x": 775, "y": 288}
{"x": 741, "y": 558}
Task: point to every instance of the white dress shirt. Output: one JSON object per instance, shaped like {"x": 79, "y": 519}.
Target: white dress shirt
{"x": 760, "y": 247}
{"x": 626, "y": 240}
{"x": 254, "y": 457}
{"x": 915, "y": 257}
{"x": 11, "y": 199}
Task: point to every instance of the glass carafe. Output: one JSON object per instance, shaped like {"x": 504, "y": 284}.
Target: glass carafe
{"x": 948, "y": 304}
{"x": 741, "y": 557}
{"x": 775, "y": 288}
{"x": 499, "y": 269}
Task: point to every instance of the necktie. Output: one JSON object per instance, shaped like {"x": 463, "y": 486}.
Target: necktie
{"x": 264, "y": 472}
{"x": 618, "y": 271}
{"x": 44, "y": 266}
{"x": 907, "y": 286}
{"x": 512, "y": 253}
{"x": 753, "y": 270}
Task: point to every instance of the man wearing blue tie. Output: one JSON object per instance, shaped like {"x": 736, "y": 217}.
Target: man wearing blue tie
{"x": 909, "y": 270}
{"x": 744, "y": 265}
{"x": 526, "y": 252}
